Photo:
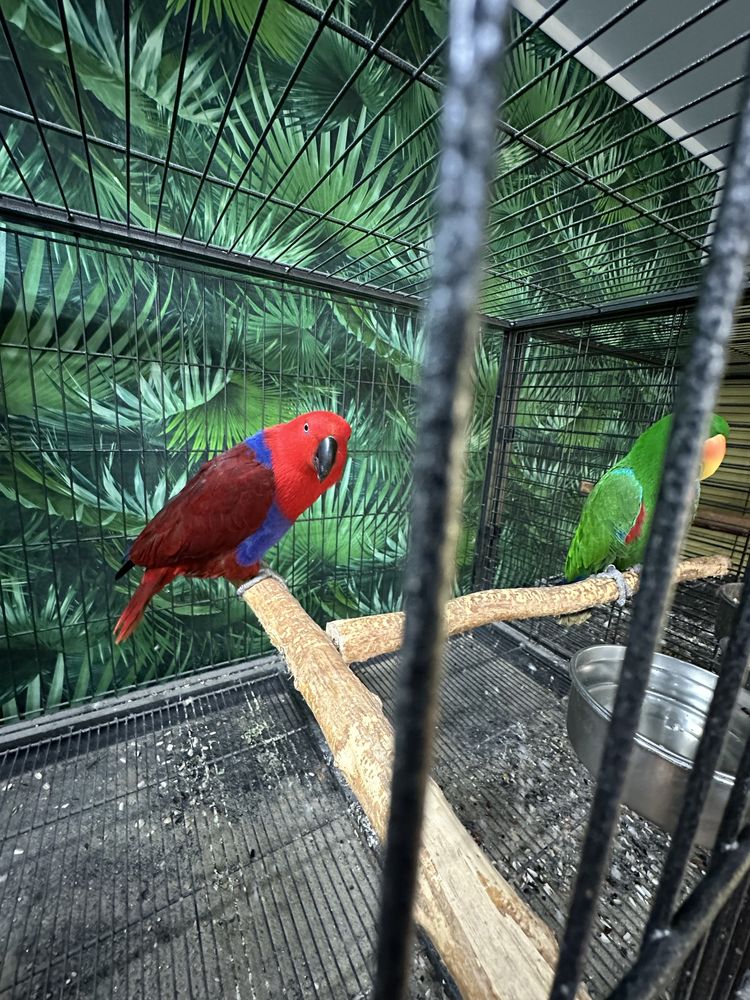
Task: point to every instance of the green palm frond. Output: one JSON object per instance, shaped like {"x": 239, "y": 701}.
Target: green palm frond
{"x": 379, "y": 199}
{"x": 555, "y": 90}
{"x": 283, "y": 31}
{"x": 45, "y": 640}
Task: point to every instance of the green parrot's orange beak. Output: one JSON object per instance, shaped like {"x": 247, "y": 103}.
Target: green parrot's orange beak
{"x": 714, "y": 451}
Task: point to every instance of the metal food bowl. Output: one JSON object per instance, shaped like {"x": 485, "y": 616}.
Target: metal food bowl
{"x": 670, "y": 727}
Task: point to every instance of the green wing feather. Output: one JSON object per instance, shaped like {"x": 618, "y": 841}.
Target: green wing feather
{"x": 608, "y": 515}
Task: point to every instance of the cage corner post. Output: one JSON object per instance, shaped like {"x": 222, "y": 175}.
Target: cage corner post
{"x": 497, "y": 466}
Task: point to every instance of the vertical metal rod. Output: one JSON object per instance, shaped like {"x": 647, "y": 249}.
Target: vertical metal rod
{"x": 501, "y": 442}
{"x": 579, "y": 165}
{"x": 300, "y": 65}
{"x": 126, "y": 60}
{"x": 721, "y": 289}
{"x": 661, "y": 958}
{"x": 699, "y": 974}
{"x": 357, "y": 141}
{"x": 713, "y": 965}
{"x": 469, "y": 128}
{"x": 175, "y": 111}
{"x": 238, "y": 77}
{"x": 78, "y": 101}
{"x": 32, "y": 107}
{"x": 315, "y": 131}
{"x": 17, "y": 168}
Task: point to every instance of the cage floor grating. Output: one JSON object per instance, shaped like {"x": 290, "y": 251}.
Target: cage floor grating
{"x": 199, "y": 849}
{"x": 204, "y": 848}
{"x": 503, "y": 759}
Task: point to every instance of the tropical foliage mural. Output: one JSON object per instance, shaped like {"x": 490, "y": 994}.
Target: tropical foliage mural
{"x": 122, "y": 370}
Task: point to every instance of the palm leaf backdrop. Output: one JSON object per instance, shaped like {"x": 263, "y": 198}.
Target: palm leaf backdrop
{"x": 122, "y": 371}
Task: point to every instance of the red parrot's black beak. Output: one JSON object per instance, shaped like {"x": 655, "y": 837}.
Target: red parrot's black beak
{"x": 324, "y": 458}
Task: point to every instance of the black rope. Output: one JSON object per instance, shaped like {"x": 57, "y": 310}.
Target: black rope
{"x": 469, "y": 126}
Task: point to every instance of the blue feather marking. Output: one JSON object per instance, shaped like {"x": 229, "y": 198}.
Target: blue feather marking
{"x": 274, "y": 526}
{"x": 262, "y": 452}
{"x": 255, "y": 546}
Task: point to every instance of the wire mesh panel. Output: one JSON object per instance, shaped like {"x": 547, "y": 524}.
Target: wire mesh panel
{"x": 572, "y": 408}
{"x": 566, "y": 411}
{"x": 506, "y": 765}
{"x": 305, "y": 136}
{"x": 121, "y": 374}
{"x": 201, "y": 847}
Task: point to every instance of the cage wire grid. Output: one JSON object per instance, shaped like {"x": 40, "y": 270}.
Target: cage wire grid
{"x": 229, "y": 341}
{"x": 610, "y": 176}
{"x": 277, "y": 225}
{"x": 143, "y": 857}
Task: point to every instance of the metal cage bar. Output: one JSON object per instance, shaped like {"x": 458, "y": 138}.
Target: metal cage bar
{"x": 275, "y": 114}
{"x": 477, "y": 38}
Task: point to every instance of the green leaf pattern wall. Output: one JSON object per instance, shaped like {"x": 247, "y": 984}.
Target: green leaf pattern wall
{"x": 122, "y": 371}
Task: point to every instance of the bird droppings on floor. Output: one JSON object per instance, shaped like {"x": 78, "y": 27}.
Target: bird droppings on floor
{"x": 203, "y": 848}
{"x": 208, "y": 844}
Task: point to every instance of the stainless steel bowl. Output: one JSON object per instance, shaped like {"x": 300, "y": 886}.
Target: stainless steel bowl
{"x": 671, "y": 724}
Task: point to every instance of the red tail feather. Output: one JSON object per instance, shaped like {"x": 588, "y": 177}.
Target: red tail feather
{"x": 153, "y": 581}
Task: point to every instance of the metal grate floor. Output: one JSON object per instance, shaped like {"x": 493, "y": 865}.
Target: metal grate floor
{"x": 201, "y": 848}
{"x": 503, "y": 759}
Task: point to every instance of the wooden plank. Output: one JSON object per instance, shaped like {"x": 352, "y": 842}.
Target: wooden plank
{"x": 722, "y": 520}
{"x": 493, "y": 945}
{"x": 362, "y": 638}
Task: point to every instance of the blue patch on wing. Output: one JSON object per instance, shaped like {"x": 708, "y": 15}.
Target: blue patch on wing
{"x": 258, "y": 444}
{"x": 256, "y": 545}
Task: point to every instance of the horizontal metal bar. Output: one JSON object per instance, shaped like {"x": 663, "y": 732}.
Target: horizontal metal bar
{"x": 19, "y": 211}
{"x": 126, "y": 705}
{"x": 630, "y": 308}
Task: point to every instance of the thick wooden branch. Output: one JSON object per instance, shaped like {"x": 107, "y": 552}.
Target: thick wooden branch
{"x": 362, "y": 638}
{"x": 491, "y": 942}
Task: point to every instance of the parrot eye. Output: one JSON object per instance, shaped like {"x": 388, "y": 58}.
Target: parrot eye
{"x": 307, "y": 428}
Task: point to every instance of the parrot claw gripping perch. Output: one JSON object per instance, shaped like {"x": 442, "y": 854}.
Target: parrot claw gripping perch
{"x": 624, "y": 589}
{"x": 265, "y": 573}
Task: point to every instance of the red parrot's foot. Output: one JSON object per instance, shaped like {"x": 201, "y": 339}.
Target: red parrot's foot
{"x": 265, "y": 573}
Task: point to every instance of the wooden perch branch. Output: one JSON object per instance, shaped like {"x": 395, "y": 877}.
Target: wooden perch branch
{"x": 493, "y": 945}
{"x": 362, "y": 638}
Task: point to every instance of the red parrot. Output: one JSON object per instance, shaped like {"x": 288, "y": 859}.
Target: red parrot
{"x": 236, "y": 507}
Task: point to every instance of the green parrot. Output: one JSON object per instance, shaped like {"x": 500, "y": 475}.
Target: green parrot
{"x": 615, "y": 521}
